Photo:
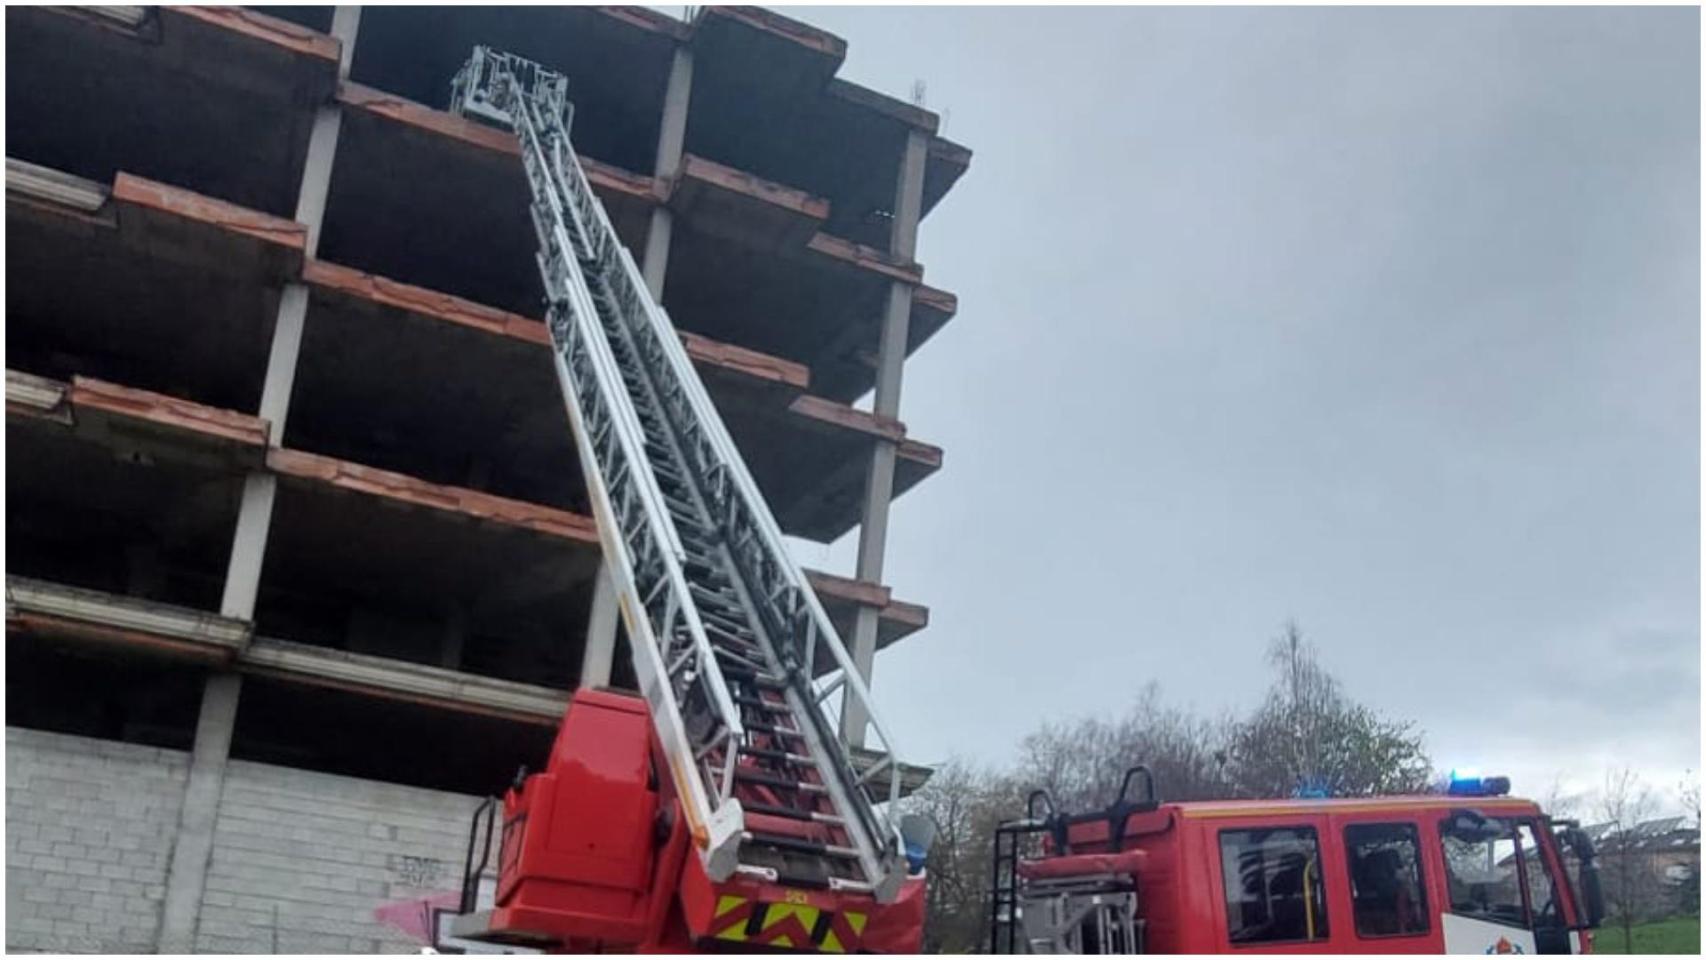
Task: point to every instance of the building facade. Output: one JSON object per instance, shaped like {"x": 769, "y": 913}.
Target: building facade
{"x": 299, "y": 563}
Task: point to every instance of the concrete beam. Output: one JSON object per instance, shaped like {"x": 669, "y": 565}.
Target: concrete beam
{"x": 383, "y": 677}
{"x": 28, "y": 395}
{"x": 331, "y": 278}
{"x": 140, "y": 420}
{"x": 749, "y": 363}
{"x": 54, "y": 187}
{"x": 180, "y": 223}
{"x": 270, "y": 30}
{"x": 36, "y": 608}
{"x": 732, "y": 204}
{"x": 136, "y": 626}
{"x": 404, "y": 489}
{"x": 97, "y": 400}
{"x": 53, "y": 609}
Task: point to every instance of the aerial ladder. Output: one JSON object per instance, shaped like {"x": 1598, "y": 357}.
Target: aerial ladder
{"x": 728, "y": 807}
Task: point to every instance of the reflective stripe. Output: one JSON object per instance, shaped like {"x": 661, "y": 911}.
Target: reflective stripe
{"x": 794, "y": 925}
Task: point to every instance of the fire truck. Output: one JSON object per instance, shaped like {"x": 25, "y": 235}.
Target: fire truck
{"x": 1472, "y": 870}
{"x": 723, "y": 806}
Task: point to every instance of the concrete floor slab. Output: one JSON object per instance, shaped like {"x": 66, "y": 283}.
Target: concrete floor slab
{"x": 215, "y": 100}
{"x": 184, "y": 303}
{"x": 735, "y": 205}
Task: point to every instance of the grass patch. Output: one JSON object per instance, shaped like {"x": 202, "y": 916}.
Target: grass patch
{"x": 1676, "y": 935}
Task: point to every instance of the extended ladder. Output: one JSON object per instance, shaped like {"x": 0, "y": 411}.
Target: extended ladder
{"x": 734, "y": 654}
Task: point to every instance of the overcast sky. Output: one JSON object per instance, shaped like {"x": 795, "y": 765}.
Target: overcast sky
{"x": 1382, "y": 320}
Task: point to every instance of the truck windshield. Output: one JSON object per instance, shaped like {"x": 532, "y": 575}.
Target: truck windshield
{"x": 1496, "y": 871}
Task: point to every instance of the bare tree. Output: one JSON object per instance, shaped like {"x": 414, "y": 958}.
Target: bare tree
{"x": 1557, "y": 800}
{"x": 1081, "y": 763}
{"x": 1623, "y": 803}
{"x": 1308, "y": 736}
{"x": 1688, "y": 793}
{"x": 965, "y": 803}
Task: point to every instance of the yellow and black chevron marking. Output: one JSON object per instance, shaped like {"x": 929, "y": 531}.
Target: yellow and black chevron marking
{"x": 793, "y": 925}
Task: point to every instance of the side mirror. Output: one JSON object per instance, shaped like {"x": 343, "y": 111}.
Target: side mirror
{"x": 1594, "y": 905}
{"x": 1593, "y": 897}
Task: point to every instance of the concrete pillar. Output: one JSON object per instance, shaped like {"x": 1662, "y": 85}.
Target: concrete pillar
{"x": 672, "y": 134}
{"x": 187, "y": 874}
{"x": 248, "y": 547}
{"x": 599, "y": 653}
{"x": 242, "y": 576}
{"x": 879, "y": 480}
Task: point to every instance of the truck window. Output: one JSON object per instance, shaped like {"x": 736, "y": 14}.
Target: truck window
{"x": 1481, "y": 870}
{"x": 1542, "y": 892}
{"x": 1387, "y": 894}
{"x": 1273, "y": 885}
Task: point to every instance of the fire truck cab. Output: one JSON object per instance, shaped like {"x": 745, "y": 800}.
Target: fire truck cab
{"x": 1469, "y": 871}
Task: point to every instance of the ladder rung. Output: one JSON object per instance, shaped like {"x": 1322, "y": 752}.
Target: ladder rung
{"x": 718, "y": 596}
{"x": 749, "y": 775}
{"x": 723, "y": 622}
{"x": 744, "y": 648}
{"x": 748, "y": 671}
{"x": 800, "y": 845}
{"x": 739, "y": 668}
{"x": 790, "y": 813}
{"x": 778, "y": 756}
{"x": 774, "y": 730}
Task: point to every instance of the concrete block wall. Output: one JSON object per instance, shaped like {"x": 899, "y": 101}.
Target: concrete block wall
{"x": 301, "y": 861}
{"x": 89, "y": 830}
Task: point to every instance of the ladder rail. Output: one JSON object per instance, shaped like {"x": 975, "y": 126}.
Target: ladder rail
{"x": 719, "y": 456}
{"x": 587, "y": 372}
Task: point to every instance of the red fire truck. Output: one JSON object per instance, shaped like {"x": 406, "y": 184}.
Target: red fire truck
{"x": 1472, "y": 870}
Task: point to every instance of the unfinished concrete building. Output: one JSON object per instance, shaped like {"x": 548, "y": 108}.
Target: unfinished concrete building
{"x": 299, "y": 563}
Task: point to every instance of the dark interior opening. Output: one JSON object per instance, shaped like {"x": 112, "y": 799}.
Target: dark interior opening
{"x": 358, "y": 735}
{"x": 616, "y": 72}
{"x": 117, "y": 519}
{"x": 348, "y": 572}
{"x": 433, "y": 400}
{"x": 112, "y": 695}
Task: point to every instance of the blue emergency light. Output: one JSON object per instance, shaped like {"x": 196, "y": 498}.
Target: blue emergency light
{"x": 1468, "y": 782}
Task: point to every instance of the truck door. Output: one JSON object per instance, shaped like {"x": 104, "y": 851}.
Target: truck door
{"x": 1390, "y": 906}
{"x": 1502, "y": 892}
